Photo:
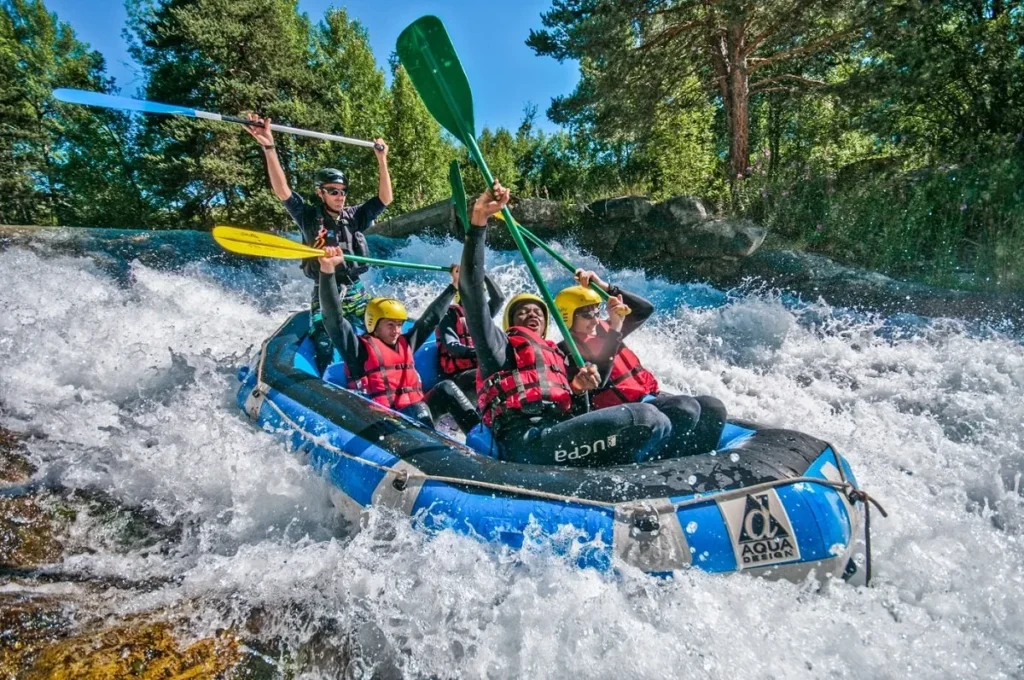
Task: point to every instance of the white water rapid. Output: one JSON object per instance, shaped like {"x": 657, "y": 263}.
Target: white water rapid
{"x": 127, "y": 386}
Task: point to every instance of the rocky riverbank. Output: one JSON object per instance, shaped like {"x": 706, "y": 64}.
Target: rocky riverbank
{"x": 56, "y": 623}
{"x": 680, "y": 240}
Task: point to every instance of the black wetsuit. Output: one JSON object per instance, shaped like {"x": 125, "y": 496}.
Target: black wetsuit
{"x": 697, "y": 422}
{"x": 444, "y": 397}
{"x": 319, "y": 229}
{"x": 466, "y": 380}
{"x": 624, "y": 434}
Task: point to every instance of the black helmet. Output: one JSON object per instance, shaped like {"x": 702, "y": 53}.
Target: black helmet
{"x": 330, "y": 176}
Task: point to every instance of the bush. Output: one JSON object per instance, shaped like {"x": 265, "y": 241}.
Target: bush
{"x": 951, "y": 225}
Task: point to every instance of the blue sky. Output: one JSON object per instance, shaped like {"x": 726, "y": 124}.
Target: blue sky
{"x": 505, "y": 74}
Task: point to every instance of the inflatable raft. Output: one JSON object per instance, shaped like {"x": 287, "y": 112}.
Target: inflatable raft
{"x": 771, "y": 501}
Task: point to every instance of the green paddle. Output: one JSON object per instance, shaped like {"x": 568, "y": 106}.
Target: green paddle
{"x": 458, "y": 194}
{"x": 427, "y": 53}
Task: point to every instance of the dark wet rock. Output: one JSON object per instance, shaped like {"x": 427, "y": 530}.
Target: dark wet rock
{"x": 815, "y": 276}
{"x": 14, "y": 466}
{"x": 677, "y": 237}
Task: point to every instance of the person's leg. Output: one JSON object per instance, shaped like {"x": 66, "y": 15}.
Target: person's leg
{"x": 697, "y": 423}
{"x": 684, "y": 413}
{"x": 322, "y": 346}
{"x": 619, "y": 435}
{"x": 446, "y": 397}
{"x": 466, "y": 381}
{"x": 712, "y": 421}
{"x": 419, "y": 411}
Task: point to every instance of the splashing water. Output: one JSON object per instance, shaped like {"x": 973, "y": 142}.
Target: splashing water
{"x": 126, "y": 386}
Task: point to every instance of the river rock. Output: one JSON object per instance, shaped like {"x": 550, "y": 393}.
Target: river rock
{"x": 677, "y": 238}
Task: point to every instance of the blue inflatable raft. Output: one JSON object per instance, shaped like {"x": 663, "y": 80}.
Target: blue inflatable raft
{"x": 770, "y": 501}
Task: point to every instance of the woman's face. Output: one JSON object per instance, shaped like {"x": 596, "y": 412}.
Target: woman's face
{"x": 584, "y": 320}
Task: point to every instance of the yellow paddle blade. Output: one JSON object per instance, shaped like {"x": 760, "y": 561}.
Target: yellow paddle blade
{"x": 262, "y": 244}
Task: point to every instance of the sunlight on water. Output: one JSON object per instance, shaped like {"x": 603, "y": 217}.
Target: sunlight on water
{"x": 129, "y": 389}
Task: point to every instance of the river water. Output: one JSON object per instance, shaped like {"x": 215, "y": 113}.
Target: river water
{"x": 119, "y": 364}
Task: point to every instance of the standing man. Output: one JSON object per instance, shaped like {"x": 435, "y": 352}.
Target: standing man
{"x": 329, "y": 224}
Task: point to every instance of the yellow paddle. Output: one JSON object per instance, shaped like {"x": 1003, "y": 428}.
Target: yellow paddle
{"x": 262, "y": 244}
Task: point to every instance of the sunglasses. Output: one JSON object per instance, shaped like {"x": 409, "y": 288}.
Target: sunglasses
{"x": 334, "y": 192}
{"x": 592, "y": 314}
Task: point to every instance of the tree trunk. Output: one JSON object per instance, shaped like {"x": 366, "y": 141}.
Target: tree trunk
{"x": 738, "y": 101}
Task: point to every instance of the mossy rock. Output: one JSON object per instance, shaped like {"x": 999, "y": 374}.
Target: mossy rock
{"x": 149, "y": 650}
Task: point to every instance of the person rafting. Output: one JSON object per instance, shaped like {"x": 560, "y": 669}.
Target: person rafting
{"x": 329, "y": 223}
{"x": 525, "y": 395}
{"x": 456, "y": 355}
{"x": 380, "y": 362}
{"x": 697, "y": 422}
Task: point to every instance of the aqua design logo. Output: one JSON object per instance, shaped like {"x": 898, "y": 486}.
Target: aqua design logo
{"x": 760, "y": 530}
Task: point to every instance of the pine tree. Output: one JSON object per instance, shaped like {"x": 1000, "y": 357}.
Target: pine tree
{"x": 59, "y": 164}
{"x": 352, "y": 100}
{"x": 419, "y": 153}
{"x": 230, "y": 57}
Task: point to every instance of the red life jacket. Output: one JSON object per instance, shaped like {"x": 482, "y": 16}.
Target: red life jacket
{"x": 539, "y": 376}
{"x": 448, "y": 364}
{"x": 628, "y": 381}
{"x": 389, "y": 375}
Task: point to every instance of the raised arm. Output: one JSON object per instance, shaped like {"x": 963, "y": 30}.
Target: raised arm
{"x": 263, "y": 135}
{"x": 495, "y": 295}
{"x": 640, "y": 309}
{"x": 383, "y": 176}
{"x": 343, "y": 335}
{"x": 491, "y": 343}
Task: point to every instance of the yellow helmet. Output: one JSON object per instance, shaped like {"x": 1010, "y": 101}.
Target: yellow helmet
{"x": 572, "y": 298}
{"x": 520, "y": 299}
{"x": 383, "y": 308}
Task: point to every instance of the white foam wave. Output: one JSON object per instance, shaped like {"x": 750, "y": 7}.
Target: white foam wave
{"x": 130, "y": 390}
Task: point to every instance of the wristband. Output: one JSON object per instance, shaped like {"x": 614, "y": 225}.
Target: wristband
{"x": 268, "y": 147}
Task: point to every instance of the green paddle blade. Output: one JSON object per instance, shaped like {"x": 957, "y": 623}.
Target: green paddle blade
{"x": 458, "y": 194}
{"x": 429, "y": 58}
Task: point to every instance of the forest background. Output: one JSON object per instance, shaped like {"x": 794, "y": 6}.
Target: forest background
{"x": 886, "y": 135}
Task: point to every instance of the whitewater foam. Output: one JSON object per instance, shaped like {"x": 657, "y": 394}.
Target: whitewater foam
{"x": 128, "y": 388}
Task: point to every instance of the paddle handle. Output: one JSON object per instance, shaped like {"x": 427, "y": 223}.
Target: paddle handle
{"x": 290, "y": 130}
{"x": 359, "y": 259}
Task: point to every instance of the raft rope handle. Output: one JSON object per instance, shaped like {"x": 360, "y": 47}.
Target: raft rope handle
{"x": 854, "y": 495}
{"x": 860, "y": 495}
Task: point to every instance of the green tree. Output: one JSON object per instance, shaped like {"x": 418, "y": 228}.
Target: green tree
{"x": 419, "y": 153}
{"x": 637, "y": 56}
{"x": 58, "y": 164}
{"x": 938, "y": 78}
{"x": 352, "y": 99}
{"x": 223, "y": 55}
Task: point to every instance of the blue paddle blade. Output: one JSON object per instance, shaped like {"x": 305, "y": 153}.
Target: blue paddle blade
{"x": 109, "y": 101}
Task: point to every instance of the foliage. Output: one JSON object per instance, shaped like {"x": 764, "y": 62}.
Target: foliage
{"x": 639, "y": 57}
{"x": 420, "y": 155}
{"x": 59, "y": 165}
{"x": 907, "y": 157}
